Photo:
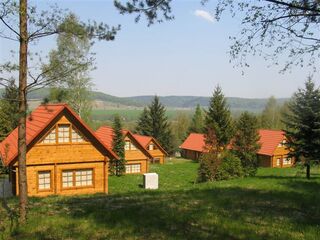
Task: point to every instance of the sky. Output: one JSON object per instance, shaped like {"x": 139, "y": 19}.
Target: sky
{"x": 185, "y": 56}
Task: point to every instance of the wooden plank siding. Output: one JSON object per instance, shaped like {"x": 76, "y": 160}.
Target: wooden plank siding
{"x": 57, "y": 157}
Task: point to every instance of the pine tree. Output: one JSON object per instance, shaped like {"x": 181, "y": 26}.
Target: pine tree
{"x": 118, "y": 167}
{"x": 9, "y": 105}
{"x": 144, "y": 123}
{"x": 218, "y": 121}
{"x": 154, "y": 122}
{"x": 197, "y": 123}
{"x": 246, "y": 143}
{"x": 303, "y": 125}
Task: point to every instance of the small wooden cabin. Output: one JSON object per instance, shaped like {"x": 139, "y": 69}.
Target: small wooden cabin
{"x": 64, "y": 156}
{"x": 137, "y": 157}
{"x": 153, "y": 147}
{"x": 272, "y": 153}
{"x": 193, "y": 146}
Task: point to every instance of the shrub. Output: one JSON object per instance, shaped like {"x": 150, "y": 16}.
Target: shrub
{"x": 230, "y": 167}
{"x": 216, "y": 167}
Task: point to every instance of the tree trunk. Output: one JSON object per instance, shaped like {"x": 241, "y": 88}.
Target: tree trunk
{"x": 308, "y": 169}
{"x": 22, "y": 148}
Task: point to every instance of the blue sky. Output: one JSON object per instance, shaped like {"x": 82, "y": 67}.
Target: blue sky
{"x": 186, "y": 56}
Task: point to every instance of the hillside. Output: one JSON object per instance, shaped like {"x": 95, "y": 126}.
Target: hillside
{"x": 103, "y": 101}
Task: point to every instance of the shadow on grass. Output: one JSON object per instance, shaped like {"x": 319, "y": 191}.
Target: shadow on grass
{"x": 201, "y": 213}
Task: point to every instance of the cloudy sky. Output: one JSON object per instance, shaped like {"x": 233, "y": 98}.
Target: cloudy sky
{"x": 186, "y": 56}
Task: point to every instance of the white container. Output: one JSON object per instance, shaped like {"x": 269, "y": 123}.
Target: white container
{"x": 151, "y": 181}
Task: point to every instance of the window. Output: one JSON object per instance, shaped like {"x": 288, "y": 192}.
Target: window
{"x": 151, "y": 147}
{"x": 76, "y": 136}
{"x": 50, "y": 138}
{"x": 282, "y": 144}
{"x": 133, "y": 168}
{"x": 127, "y": 145}
{"x": 64, "y": 133}
{"x": 44, "y": 180}
{"x": 156, "y": 160}
{"x": 67, "y": 179}
{"x": 278, "y": 161}
{"x": 287, "y": 161}
{"x": 77, "y": 178}
{"x": 84, "y": 178}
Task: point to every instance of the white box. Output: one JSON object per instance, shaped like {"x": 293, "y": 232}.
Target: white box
{"x": 151, "y": 181}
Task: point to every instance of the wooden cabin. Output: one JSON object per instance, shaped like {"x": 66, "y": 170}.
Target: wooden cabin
{"x": 153, "y": 147}
{"x": 193, "y": 146}
{"x": 272, "y": 153}
{"x": 136, "y": 156}
{"x": 64, "y": 156}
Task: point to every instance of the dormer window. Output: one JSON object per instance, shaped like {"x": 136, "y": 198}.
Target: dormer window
{"x": 151, "y": 147}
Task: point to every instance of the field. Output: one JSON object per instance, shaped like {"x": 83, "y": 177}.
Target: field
{"x": 276, "y": 204}
{"x": 132, "y": 114}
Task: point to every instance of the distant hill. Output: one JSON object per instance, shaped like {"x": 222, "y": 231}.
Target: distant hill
{"x": 102, "y": 100}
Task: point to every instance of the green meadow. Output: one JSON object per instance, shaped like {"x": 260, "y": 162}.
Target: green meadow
{"x": 275, "y": 204}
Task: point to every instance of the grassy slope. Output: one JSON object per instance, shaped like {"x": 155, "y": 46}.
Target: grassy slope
{"x": 276, "y": 204}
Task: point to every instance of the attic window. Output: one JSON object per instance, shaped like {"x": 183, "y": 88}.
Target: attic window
{"x": 63, "y": 133}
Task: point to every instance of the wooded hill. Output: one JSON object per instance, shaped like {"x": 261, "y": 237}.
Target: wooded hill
{"x": 235, "y": 103}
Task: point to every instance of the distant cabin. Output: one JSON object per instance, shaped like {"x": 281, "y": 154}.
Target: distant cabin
{"x": 273, "y": 152}
{"x": 153, "y": 147}
{"x": 64, "y": 156}
{"x": 136, "y": 156}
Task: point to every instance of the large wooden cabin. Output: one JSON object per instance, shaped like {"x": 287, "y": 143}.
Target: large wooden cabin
{"x": 153, "y": 147}
{"x": 64, "y": 156}
{"x": 136, "y": 156}
{"x": 273, "y": 152}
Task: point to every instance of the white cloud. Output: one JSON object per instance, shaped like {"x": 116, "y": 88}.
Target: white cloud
{"x": 204, "y": 14}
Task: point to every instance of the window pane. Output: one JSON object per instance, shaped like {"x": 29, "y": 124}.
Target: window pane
{"x": 84, "y": 177}
{"x": 50, "y": 138}
{"x": 76, "y": 136}
{"x": 44, "y": 180}
{"x": 63, "y": 133}
{"x": 127, "y": 145}
{"x": 67, "y": 179}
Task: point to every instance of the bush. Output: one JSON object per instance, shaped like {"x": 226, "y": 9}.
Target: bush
{"x": 249, "y": 163}
{"x": 216, "y": 167}
{"x": 230, "y": 167}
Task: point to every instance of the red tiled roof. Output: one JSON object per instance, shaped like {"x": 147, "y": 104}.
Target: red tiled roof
{"x": 194, "y": 142}
{"x": 145, "y": 140}
{"x": 37, "y": 121}
{"x": 269, "y": 140}
{"x": 105, "y": 133}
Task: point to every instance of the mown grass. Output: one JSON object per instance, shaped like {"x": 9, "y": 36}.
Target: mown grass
{"x": 276, "y": 204}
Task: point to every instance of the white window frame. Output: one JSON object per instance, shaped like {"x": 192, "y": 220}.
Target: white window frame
{"x": 64, "y": 133}
{"x": 44, "y": 180}
{"x": 133, "y": 168}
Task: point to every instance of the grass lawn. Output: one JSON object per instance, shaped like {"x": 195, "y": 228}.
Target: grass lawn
{"x": 276, "y": 204}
